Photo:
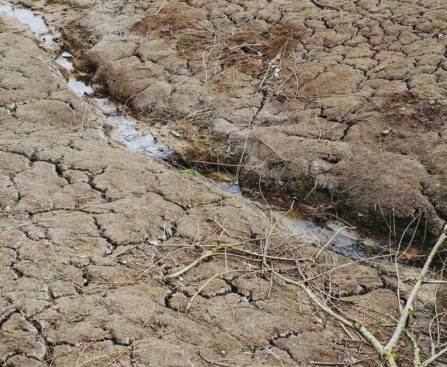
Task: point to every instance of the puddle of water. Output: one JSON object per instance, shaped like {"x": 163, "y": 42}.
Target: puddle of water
{"x": 125, "y": 131}
{"x": 225, "y": 182}
{"x": 35, "y": 22}
{"x": 80, "y": 88}
{"x": 296, "y": 223}
{"x": 230, "y": 187}
{"x": 64, "y": 61}
{"x": 301, "y": 227}
{"x": 124, "y": 127}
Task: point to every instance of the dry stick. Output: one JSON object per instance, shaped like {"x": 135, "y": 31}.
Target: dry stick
{"x": 316, "y": 363}
{"x": 226, "y": 164}
{"x": 215, "y": 250}
{"x": 430, "y": 332}
{"x": 347, "y": 331}
{"x": 221, "y": 227}
{"x": 385, "y": 353}
{"x": 434, "y": 357}
{"x": 319, "y": 127}
{"x": 159, "y": 261}
{"x": 217, "y": 363}
{"x": 434, "y": 282}
{"x": 416, "y": 349}
{"x": 196, "y": 262}
{"x": 202, "y": 287}
{"x": 330, "y": 271}
{"x": 397, "y": 257}
{"x": 328, "y": 242}
{"x": 355, "y": 324}
{"x": 409, "y": 304}
{"x": 270, "y": 257}
{"x": 437, "y": 315}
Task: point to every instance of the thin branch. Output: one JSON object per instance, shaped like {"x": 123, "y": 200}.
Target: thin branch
{"x": 416, "y": 349}
{"x": 196, "y": 262}
{"x": 408, "y": 310}
{"x": 434, "y": 357}
{"x": 354, "y": 324}
{"x": 204, "y": 285}
{"x": 431, "y": 281}
{"x": 214, "y": 251}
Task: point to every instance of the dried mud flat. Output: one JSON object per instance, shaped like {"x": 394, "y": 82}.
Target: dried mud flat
{"x": 88, "y": 228}
{"x": 341, "y": 105}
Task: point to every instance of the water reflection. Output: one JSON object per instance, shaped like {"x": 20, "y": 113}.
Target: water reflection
{"x": 332, "y": 233}
{"x": 35, "y": 22}
{"x": 125, "y": 131}
{"x": 124, "y": 127}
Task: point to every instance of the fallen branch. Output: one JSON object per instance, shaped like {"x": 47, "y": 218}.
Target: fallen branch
{"x": 416, "y": 349}
{"x": 434, "y": 357}
{"x": 196, "y": 262}
{"x": 213, "y": 251}
{"x": 408, "y": 309}
{"x": 353, "y": 324}
{"x": 386, "y": 353}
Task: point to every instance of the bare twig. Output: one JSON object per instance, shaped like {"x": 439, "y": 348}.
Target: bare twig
{"x": 353, "y": 324}
{"x": 434, "y": 357}
{"x": 408, "y": 309}
{"x": 214, "y": 251}
{"x": 416, "y": 349}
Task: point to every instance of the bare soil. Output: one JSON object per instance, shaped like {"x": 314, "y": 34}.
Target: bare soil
{"x": 88, "y": 228}
{"x": 339, "y": 104}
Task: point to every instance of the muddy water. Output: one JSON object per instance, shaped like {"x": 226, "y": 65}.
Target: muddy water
{"x": 124, "y": 130}
{"x": 334, "y": 234}
{"x": 226, "y": 182}
{"x": 298, "y": 224}
{"x": 35, "y": 22}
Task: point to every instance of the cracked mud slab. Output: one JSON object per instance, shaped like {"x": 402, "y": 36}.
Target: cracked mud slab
{"x": 87, "y": 229}
{"x": 332, "y": 102}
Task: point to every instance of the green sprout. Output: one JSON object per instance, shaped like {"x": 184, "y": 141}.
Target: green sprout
{"x": 189, "y": 172}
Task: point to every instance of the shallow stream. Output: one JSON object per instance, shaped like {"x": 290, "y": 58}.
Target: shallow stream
{"x": 124, "y": 129}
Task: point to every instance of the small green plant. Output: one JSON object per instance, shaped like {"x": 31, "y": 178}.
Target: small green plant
{"x": 60, "y": 160}
{"x": 189, "y": 172}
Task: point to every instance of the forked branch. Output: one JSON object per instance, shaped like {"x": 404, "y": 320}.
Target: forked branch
{"x": 384, "y": 352}
{"x": 408, "y": 309}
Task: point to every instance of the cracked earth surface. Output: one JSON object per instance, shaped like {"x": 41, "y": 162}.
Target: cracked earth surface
{"x": 88, "y": 228}
{"x": 339, "y": 103}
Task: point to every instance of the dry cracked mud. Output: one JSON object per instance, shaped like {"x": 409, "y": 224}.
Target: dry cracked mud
{"x": 334, "y": 103}
{"x": 88, "y": 228}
